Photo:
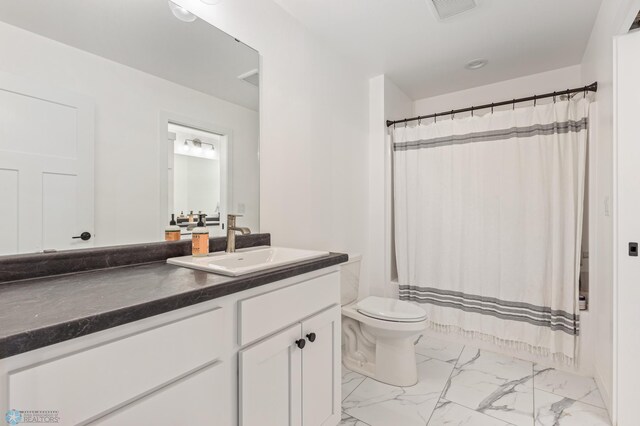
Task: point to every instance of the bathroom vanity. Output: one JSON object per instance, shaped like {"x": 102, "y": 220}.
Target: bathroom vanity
{"x": 175, "y": 346}
{"x": 109, "y": 136}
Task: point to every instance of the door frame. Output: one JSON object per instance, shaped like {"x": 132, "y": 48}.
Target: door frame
{"x": 618, "y": 251}
{"x": 226, "y": 164}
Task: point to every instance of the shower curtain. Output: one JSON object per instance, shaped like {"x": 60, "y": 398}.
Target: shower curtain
{"x": 488, "y": 224}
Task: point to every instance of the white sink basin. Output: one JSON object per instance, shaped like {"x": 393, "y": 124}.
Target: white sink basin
{"x": 245, "y": 261}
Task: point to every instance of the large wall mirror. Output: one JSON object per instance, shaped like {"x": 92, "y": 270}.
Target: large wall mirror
{"x": 116, "y": 114}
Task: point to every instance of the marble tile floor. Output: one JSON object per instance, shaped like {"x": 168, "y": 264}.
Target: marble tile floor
{"x": 462, "y": 385}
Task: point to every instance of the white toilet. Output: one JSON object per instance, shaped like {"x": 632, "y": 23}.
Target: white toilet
{"x": 378, "y": 333}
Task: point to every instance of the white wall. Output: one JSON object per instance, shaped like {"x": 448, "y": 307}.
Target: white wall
{"x": 313, "y": 123}
{"x": 614, "y": 18}
{"x": 128, "y": 106}
{"x": 196, "y": 183}
{"x": 386, "y": 101}
{"x": 549, "y": 81}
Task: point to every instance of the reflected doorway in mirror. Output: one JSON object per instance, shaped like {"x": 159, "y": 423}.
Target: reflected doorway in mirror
{"x": 197, "y": 175}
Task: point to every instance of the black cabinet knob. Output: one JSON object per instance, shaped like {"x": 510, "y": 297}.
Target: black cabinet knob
{"x": 300, "y": 343}
{"x": 311, "y": 337}
{"x": 85, "y": 236}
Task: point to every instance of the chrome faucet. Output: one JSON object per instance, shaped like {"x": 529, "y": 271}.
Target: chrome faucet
{"x": 231, "y": 232}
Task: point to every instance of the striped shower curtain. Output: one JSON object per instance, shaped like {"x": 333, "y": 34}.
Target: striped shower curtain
{"x": 488, "y": 219}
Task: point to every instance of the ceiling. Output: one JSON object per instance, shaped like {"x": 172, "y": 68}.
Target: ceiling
{"x": 143, "y": 34}
{"x": 426, "y": 57}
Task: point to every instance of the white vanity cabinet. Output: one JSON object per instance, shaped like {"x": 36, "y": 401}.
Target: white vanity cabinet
{"x": 293, "y": 377}
{"x": 228, "y": 361}
{"x": 131, "y": 372}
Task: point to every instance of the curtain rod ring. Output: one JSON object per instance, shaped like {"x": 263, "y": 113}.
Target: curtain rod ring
{"x": 472, "y": 107}
{"x": 513, "y": 105}
{"x": 491, "y": 107}
{"x": 535, "y": 100}
{"x": 452, "y": 115}
{"x": 554, "y": 97}
{"x": 435, "y": 118}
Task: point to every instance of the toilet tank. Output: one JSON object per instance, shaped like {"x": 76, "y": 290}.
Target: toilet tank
{"x": 350, "y": 279}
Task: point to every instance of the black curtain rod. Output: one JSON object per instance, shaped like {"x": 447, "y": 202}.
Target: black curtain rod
{"x": 590, "y": 88}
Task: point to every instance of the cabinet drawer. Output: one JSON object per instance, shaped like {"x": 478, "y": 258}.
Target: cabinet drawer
{"x": 85, "y": 384}
{"x": 263, "y": 314}
{"x": 198, "y": 399}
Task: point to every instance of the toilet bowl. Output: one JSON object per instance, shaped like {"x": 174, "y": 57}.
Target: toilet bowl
{"x": 378, "y": 333}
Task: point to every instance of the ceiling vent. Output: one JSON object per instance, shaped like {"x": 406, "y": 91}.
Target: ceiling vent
{"x": 445, "y": 9}
{"x": 251, "y": 77}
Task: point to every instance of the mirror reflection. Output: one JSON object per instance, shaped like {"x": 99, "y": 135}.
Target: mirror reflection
{"x": 116, "y": 115}
{"x": 196, "y": 178}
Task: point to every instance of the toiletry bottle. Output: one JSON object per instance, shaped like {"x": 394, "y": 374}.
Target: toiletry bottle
{"x": 172, "y": 232}
{"x": 191, "y": 216}
{"x": 200, "y": 238}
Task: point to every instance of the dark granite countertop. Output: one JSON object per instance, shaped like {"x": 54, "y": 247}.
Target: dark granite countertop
{"x": 40, "y": 312}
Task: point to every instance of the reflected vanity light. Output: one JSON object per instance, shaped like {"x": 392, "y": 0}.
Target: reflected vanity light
{"x": 181, "y": 13}
{"x": 197, "y": 148}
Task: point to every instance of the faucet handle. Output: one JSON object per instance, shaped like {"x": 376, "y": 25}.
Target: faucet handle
{"x": 231, "y": 220}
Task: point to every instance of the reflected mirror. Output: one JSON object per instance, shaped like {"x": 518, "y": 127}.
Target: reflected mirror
{"x": 116, "y": 114}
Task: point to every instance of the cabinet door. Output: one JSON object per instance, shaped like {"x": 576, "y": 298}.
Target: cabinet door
{"x": 270, "y": 379}
{"x": 200, "y": 398}
{"x": 321, "y": 369}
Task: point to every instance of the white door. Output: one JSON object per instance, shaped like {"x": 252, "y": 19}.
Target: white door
{"x": 46, "y": 167}
{"x": 627, "y": 228}
{"x": 321, "y": 377}
{"x": 270, "y": 380}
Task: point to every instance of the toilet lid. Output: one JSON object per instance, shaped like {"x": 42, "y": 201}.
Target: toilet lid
{"x": 390, "y": 309}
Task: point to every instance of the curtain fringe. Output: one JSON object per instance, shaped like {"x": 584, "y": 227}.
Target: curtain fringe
{"x": 511, "y": 345}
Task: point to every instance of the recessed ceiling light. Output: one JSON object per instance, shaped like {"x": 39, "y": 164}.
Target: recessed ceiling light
{"x": 181, "y": 13}
{"x": 476, "y": 64}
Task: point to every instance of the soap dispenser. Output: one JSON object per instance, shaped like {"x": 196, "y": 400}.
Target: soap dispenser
{"x": 172, "y": 232}
{"x": 200, "y": 238}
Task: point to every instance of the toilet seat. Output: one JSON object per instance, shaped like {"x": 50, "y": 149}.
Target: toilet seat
{"x": 386, "y": 309}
